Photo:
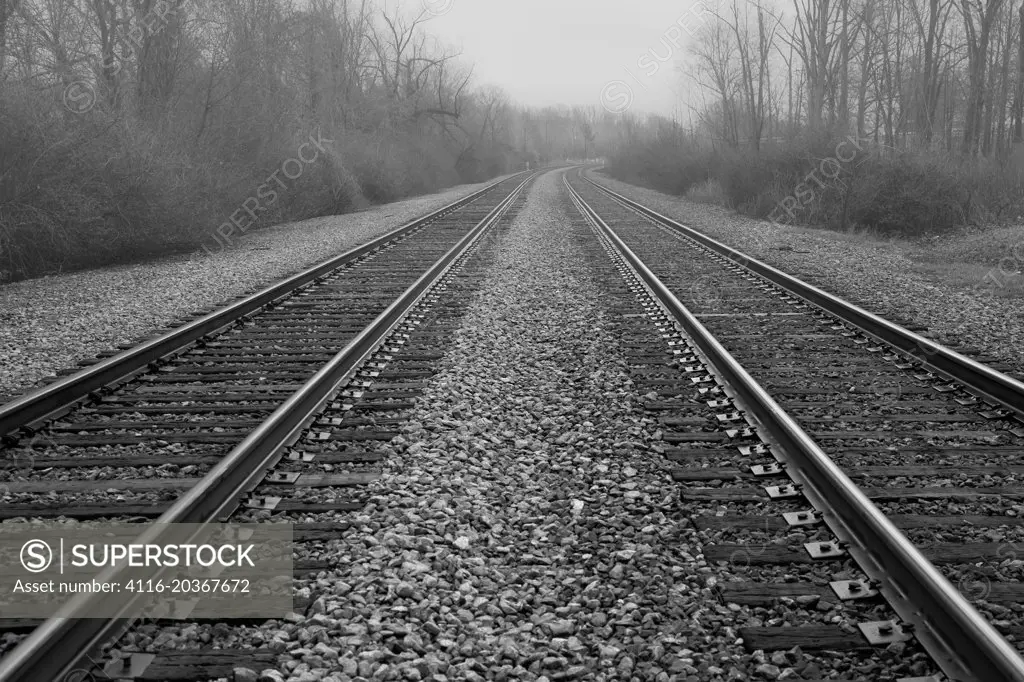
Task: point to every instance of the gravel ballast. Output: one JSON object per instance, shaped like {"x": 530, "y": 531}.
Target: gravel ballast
{"x": 524, "y": 525}
{"x": 517, "y": 522}
{"x": 51, "y": 323}
{"x": 869, "y": 273}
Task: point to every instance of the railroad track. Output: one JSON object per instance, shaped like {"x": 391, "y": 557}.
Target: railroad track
{"x": 269, "y": 407}
{"x": 806, "y": 394}
{"x": 300, "y": 389}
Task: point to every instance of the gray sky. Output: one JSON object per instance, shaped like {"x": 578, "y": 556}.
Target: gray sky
{"x": 574, "y": 52}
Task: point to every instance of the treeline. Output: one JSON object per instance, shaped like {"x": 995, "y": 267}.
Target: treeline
{"x": 931, "y": 91}
{"x": 135, "y": 127}
{"x": 938, "y": 74}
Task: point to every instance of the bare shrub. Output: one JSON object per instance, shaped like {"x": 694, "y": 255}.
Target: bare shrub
{"x": 893, "y": 194}
{"x": 673, "y": 169}
{"x": 909, "y": 195}
{"x": 74, "y": 191}
{"x": 707, "y": 192}
{"x": 997, "y": 189}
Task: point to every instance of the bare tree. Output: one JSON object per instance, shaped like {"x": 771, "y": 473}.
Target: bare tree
{"x": 931, "y": 27}
{"x": 979, "y": 16}
{"x": 714, "y": 69}
{"x": 158, "y": 39}
{"x": 753, "y": 53}
{"x": 816, "y": 41}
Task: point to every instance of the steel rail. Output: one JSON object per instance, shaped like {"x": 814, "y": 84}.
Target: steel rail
{"x": 986, "y": 382}
{"x": 52, "y": 651}
{"x": 958, "y": 638}
{"x": 36, "y": 406}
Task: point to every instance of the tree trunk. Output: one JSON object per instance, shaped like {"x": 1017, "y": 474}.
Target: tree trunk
{"x": 930, "y": 84}
{"x": 1002, "y": 100}
{"x": 1018, "y": 105}
{"x": 157, "y": 57}
{"x": 7, "y": 9}
{"x": 110, "y": 67}
{"x": 977, "y": 52}
{"x": 844, "y": 72}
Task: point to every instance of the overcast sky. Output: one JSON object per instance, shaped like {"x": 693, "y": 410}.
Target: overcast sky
{"x": 574, "y": 52}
